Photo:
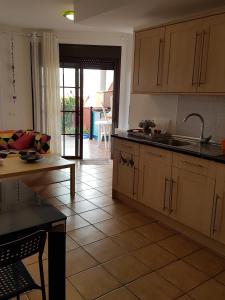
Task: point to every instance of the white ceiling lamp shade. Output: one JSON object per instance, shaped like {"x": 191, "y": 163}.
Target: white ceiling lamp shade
{"x": 69, "y": 14}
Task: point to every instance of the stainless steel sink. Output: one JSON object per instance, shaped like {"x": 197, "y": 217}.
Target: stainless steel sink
{"x": 172, "y": 142}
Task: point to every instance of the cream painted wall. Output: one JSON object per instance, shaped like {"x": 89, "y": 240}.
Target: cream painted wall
{"x": 15, "y": 115}
{"x": 110, "y": 39}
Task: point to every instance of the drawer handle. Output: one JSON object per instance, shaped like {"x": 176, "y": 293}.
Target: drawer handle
{"x": 154, "y": 154}
{"x": 192, "y": 164}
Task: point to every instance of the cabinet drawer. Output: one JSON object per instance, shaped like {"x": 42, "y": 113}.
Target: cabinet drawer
{"x": 156, "y": 153}
{"x": 126, "y": 146}
{"x": 194, "y": 164}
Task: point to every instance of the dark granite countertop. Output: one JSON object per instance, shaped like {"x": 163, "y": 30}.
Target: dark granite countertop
{"x": 208, "y": 151}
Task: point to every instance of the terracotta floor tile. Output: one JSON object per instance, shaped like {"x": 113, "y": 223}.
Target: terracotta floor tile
{"x": 179, "y": 245}
{"x": 155, "y": 231}
{"x": 34, "y": 271}
{"x": 70, "y": 244}
{"x": 185, "y": 297}
{"x": 120, "y": 294}
{"x": 81, "y": 187}
{"x": 104, "y": 250}
{"x": 36, "y": 294}
{"x": 210, "y": 290}
{"x": 126, "y": 268}
{"x": 54, "y": 192}
{"x": 75, "y": 222}
{"x": 66, "y": 210}
{"x": 94, "y": 282}
{"x": 117, "y": 209}
{"x": 182, "y": 275}
{"x": 82, "y": 206}
{"x": 95, "y": 216}
{"x": 134, "y": 219}
{"x": 130, "y": 240}
{"x": 206, "y": 261}
{"x": 154, "y": 257}
{"x": 221, "y": 278}
{"x": 153, "y": 287}
{"x": 54, "y": 201}
{"x": 111, "y": 227}
{"x": 86, "y": 235}
{"x": 71, "y": 292}
{"x": 78, "y": 260}
{"x": 102, "y": 201}
{"x": 67, "y": 199}
{"x": 89, "y": 194}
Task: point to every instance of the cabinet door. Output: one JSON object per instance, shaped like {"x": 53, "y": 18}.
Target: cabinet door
{"x": 212, "y": 75}
{"x": 154, "y": 179}
{"x": 148, "y": 60}
{"x": 218, "y": 216}
{"x": 182, "y": 57}
{"x": 125, "y": 173}
{"x": 192, "y": 199}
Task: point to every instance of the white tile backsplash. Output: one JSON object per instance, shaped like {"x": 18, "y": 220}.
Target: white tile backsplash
{"x": 175, "y": 108}
{"x": 212, "y": 108}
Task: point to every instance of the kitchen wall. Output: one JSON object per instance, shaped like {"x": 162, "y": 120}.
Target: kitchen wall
{"x": 19, "y": 114}
{"x": 175, "y": 108}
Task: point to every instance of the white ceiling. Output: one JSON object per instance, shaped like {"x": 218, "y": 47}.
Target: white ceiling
{"x": 103, "y": 15}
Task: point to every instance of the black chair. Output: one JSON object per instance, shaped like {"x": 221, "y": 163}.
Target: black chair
{"x": 14, "y": 277}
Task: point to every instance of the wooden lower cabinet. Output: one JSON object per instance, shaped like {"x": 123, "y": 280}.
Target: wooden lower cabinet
{"x": 218, "y": 217}
{"x": 154, "y": 178}
{"x": 192, "y": 199}
{"x": 125, "y": 173}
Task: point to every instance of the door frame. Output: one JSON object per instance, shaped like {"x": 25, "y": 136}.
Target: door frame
{"x": 97, "y": 57}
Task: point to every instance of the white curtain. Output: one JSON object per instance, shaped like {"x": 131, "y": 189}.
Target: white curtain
{"x": 46, "y": 92}
{"x": 50, "y": 61}
{"x": 36, "y": 82}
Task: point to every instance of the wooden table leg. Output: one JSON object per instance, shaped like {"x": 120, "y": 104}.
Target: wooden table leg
{"x": 72, "y": 180}
{"x": 57, "y": 262}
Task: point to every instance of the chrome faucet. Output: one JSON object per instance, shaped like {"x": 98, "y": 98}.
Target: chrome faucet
{"x": 202, "y": 139}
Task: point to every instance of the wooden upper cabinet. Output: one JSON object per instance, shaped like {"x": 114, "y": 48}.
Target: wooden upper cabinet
{"x": 212, "y": 73}
{"x": 148, "y": 60}
{"x": 182, "y": 57}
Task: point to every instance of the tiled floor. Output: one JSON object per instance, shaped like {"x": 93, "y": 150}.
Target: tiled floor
{"x": 115, "y": 253}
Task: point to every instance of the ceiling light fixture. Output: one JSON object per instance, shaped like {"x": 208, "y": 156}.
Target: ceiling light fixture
{"x": 69, "y": 14}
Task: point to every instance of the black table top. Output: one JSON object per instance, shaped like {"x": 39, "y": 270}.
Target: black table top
{"x": 23, "y": 210}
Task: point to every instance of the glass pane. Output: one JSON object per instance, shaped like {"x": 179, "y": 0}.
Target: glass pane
{"x": 69, "y": 77}
{"x": 69, "y": 145}
{"x": 69, "y": 99}
{"x": 69, "y": 122}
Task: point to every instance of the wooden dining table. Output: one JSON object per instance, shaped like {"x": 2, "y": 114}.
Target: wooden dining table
{"x": 22, "y": 211}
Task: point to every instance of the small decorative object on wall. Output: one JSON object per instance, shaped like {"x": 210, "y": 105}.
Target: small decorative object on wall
{"x": 13, "y": 70}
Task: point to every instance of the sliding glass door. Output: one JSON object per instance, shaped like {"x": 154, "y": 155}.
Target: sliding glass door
{"x": 71, "y": 95}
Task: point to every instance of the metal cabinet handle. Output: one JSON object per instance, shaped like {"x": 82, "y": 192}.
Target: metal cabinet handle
{"x": 204, "y": 58}
{"x": 134, "y": 179}
{"x": 159, "y": 71}
{"x": 192, "y": 164}
{"x": 172, "y": 182}
{"x": 195, "y": 82}
{"x": 214, "y": 229}
{"x": 165, "y": 193}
